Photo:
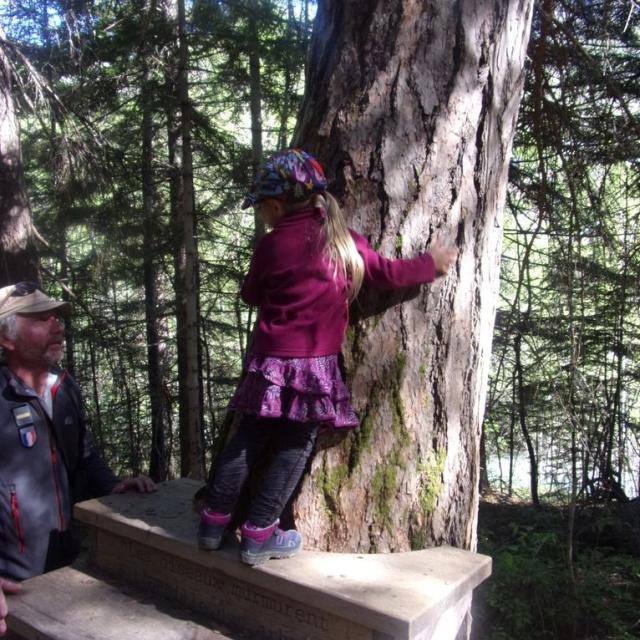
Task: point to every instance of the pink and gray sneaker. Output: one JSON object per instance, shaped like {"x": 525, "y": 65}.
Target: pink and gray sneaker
{"x": 259, "y": 545}
{"x": 212, "y": 528}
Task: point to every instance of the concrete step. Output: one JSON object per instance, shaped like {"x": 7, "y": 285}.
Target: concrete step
{"x": 74, "y": 604}
{"x": 150, "y": 541}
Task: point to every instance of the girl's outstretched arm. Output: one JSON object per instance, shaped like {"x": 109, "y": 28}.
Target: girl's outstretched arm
{"x": 400, "y": 273}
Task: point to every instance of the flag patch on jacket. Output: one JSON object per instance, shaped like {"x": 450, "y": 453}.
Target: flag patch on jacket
{"x": 28, "y": 436}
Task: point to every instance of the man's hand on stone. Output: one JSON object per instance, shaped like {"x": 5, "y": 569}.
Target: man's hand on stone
{"x": 142, "y": 484}
{"x": 6, "y": 586}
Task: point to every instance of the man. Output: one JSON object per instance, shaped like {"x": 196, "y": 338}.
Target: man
{"x": 46, "y": 456}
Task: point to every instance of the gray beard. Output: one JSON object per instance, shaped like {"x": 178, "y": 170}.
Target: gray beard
{"x": 54, "y": 361}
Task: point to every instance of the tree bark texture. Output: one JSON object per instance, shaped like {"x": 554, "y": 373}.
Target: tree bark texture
{"x": 17, "y": 253}
{"x": 411, "y": 106}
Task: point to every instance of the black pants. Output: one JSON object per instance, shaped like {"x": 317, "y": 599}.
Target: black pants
{"x": 293, "y": 443}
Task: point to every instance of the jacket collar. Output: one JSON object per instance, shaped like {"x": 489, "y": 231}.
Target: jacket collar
{"x": 18, "y": 387}
{"x": 301, "y": 215}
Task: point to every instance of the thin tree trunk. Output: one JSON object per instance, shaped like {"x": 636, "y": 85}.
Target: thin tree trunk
{"x": 522, "y": 416}
{"x": 616, "y": 419}
{"x": 485, "y": 486}
{"x": 498, "y": 456}
{"x": 191, "y": 460}
{"x": 96, "y": 425}
{"x": 255, "y": 104}
{"x": 292, "y": 67}
{"x": 411, "y": 107}
{"x": 60, "y": 171}
{"x": 573, "y": 370}
{"x": 18, "y": 259}
{"x": 524, "y": 278}
{"x": 159, "y": 457}
{"x": 120, "y": 371}
{"x": 169, "y": 10}
{"x": 512, "y": 422}
{"x": 181, "y": 199}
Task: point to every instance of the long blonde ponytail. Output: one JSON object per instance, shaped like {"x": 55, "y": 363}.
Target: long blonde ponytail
{"x": 340, "y": 248}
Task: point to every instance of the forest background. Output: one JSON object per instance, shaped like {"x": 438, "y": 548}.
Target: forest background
{"x": 103, "y": 91}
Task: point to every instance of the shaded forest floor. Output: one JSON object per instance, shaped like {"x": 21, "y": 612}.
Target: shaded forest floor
{"x": 531, "y": 594}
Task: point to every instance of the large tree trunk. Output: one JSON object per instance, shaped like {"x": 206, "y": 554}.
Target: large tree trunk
{"x": 411, "y": 106}
{"x": 17, "y": 253}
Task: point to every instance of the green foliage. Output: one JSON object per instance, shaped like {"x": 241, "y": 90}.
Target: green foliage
{"x": 109, "y": 64}
{"x": 528, "y": 576}
{"x": 610, "y": 591}
{"x": 531, "y": 593}
{"x": 567, "y": 329}
{"x": 569, "y": 272}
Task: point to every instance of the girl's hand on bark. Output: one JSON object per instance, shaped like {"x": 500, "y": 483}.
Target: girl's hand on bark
{"x": 444, "y": 256}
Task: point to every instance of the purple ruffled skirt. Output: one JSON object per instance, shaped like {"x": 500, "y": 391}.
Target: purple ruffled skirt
{"x": 300, "y": 389}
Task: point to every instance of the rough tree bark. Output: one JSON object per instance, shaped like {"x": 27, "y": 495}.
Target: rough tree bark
{"x": 411, "y": 107}
{"x": 17, "y": 252}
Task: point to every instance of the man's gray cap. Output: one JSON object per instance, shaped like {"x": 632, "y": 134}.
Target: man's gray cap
{"x": 12, "y": 301}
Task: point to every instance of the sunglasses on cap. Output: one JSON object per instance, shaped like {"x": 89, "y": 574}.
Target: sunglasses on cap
{"x": 24, "y": 289}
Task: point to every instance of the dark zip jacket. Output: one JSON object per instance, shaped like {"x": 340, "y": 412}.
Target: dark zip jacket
{"x": 45, "y": 465}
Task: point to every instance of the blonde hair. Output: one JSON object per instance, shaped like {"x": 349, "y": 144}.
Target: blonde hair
{"x": 340, "y": 248}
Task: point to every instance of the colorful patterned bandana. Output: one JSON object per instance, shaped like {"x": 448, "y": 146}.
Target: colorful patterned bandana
{"x": 291, "y": 175}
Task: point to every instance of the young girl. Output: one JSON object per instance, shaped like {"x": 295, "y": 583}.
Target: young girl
{"x": 302, "y": 277}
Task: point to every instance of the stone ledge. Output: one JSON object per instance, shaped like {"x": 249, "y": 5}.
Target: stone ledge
{"x": 150, "y": 539}
{"x": 71, "y": 604}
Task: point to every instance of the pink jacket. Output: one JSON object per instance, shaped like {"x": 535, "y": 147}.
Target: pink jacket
{"x": 303, "y": 311}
